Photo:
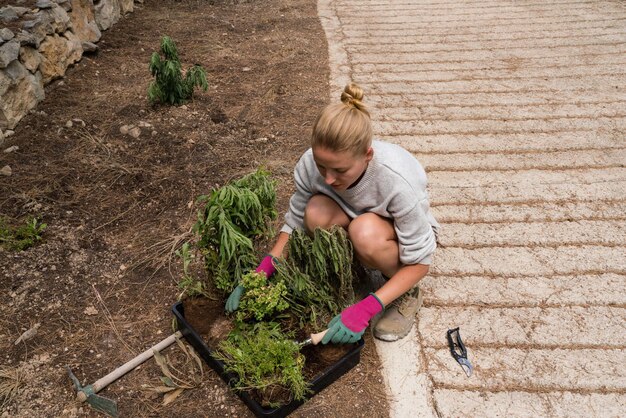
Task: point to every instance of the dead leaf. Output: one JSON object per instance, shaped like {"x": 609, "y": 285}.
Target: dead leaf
{"x": 162, "y": 362}
{"x": 168, "y": 381}
{"x": 90, "y": 310}
{"x": 190, "y": 352}
{"x": 171, "y": 396}
{"x": 163, "y": 389}
{"x": 27, "y": 335}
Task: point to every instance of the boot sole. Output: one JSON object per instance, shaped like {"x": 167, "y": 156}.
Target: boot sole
{"x": 391, "y": 337}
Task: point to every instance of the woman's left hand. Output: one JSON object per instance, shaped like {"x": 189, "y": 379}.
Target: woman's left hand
{"x": 349, "y": 326}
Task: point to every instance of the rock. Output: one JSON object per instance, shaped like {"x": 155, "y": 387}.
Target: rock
{"x": 80, "y": 121}
{"x": 8, "y": 133}
{"x": 65, "y": 4}
{"x": 27, "y": 39}
{"x": 6, "y": 34}
{"x": 143, "y": 124}
{"x": 58, "y": 53}
{"x": 48, "y": 22}
{"x": 107, "y": 13}
{"x": 84, "y": 21}
{"x": 20, "y": 91}
{"x": 75, "y": 47}
{"x": 126, "y": 6}
{"x": 11, "y": 149}
{"x": 9, "y": 52}
{"x": 21, "y": 11}
{"x": 6, "y": 171}
{"x": 60, "y": 20}
{"x": 135, "y": 132}
{"x": 38, "y": 28}
{"x": 89, "y": 47}
{"x": 8, "y": 14}
{"x": 69, "y": 124}
{"x": 124, "y": 129}
{"x": 44, "y": 4}
{"x": 30, "y": 57}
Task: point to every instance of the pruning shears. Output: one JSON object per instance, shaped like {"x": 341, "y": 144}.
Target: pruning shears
{"x": 458, "y": 350}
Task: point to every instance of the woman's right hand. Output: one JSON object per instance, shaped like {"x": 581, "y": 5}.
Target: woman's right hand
{"x": 266, "y": 266}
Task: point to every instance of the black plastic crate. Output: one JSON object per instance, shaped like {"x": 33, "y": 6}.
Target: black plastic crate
{"x": 334, "y": 372}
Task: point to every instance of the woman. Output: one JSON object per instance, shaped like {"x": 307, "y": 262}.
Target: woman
{"x": 377, "y": 192}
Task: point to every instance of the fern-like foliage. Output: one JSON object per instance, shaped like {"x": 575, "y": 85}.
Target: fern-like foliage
{"x": 232, "y": 217}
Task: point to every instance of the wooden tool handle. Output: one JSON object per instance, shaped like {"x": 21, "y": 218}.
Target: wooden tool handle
{"x": 125, "y": 368}
{"x": 316, "y": 338}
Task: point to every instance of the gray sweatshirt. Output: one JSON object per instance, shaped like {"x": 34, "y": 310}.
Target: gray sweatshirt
{"x": 393, "y": 186}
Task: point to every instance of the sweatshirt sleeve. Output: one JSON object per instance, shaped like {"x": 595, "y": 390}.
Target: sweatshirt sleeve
{"x": 294, "y": 218}
{"x": 416, "y": 238}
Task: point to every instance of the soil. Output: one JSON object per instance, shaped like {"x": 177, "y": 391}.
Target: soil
{"x": 207, "y": 318}
{"x": 99, "y": 289}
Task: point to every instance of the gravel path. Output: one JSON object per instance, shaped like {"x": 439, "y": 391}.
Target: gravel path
{"x": 518, "y": 111}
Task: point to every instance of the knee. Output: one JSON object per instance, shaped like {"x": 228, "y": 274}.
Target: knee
{"x": 320, "y": 212}
{"x": 366, "y": 238}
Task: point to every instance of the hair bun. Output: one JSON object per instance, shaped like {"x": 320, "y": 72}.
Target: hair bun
{"x": 352, "y": 95}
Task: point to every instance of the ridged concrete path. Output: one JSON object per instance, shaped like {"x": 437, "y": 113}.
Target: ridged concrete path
{"x": 518, "y": 111}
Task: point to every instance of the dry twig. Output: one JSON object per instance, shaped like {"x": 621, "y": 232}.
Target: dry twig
{"x": 10, "y": 382}
{"x": 109, "y": 318}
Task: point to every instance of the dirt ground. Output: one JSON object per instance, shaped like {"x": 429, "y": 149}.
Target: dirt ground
{"x": 101, "y": 284}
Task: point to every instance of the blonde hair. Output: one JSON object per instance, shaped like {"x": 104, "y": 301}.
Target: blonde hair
{"x": 344, "y": 126}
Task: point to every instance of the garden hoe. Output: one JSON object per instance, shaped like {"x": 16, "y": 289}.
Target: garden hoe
{"x": 108, "y": 406}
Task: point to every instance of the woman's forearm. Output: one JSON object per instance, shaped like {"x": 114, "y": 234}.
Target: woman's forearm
{"x": 280, "y": 244}
{"x": 406, "y": 277}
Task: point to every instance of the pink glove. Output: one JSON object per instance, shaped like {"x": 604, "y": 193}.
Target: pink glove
{"x": 349, "y": 326}
{"x": 357, "y": 317}
{"x": 267, "y": 266}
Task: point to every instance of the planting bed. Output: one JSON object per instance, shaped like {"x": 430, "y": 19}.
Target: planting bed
{"x": 202, "y": 324}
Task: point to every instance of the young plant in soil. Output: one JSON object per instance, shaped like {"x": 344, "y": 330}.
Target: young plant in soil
{"x": 267, "y": 363}
{"x": 170, "y": 86}
{"x": 262, "y": 298}
{"x": 190, "y": 286}
{"x": 233, "y": 216}
{"x": 21, "y": 237}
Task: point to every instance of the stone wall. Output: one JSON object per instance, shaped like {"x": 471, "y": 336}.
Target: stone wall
{"x": 40, "y": 40}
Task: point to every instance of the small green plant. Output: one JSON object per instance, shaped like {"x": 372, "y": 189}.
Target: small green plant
{"x": 21, "y": 237}
{"x": 261, "y": 298}
{"x": 232, "y": 217}
{"x": 169, "y": 85}
{"x": 188, "y": 284}
{"x": 266, "y": 361}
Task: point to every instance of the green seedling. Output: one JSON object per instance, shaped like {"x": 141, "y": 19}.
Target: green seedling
{"x": 188, "y": 284}
{"x": 22, "y": 237}
{"x": 266, "y": 361}
{"x": 170, "y": 86}
{"x": 262, "y": 298}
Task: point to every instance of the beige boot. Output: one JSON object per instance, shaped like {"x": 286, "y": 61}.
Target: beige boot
{"x": 399, "y": 316}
